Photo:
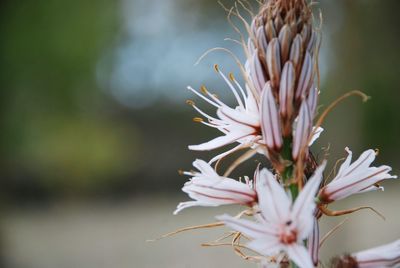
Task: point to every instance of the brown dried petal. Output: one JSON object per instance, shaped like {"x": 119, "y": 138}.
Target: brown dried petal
{"x": 285, "y": 39}
{"x": 274, "y": 62}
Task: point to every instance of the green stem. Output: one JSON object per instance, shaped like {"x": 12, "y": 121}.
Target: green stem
{"x": 287, "y": 174}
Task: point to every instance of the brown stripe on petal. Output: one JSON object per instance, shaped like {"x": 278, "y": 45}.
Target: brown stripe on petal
{"x": 270, "y": 31}
{"x": 278, "y": 22}
{"x": 295, "y": 53}
{"x": 312, "y": 43}
{"x": 270, "y": 123}
{"x": 312, "y": 100}
{"x": 285, "y": 40}
{"x": 257, "y": 74}
{"x": 302, "y": 132}
{"x": 305, "y": 34}
{"x": 286, "y": 90}
{"x": 262, "y": 40}
{"x": 305, "y": 79}
{"x": 274, "y": 63}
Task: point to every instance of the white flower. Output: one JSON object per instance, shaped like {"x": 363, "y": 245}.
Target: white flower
{"x": 282, "y": 226}
{"x": 354, "y": 178}
{"x": 239, "y": 124}
{"x": 207, "y": 188}
{"x": 383, "y": 256}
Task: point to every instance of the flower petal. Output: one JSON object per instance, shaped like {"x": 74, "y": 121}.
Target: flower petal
{"x": 251, "y": 229}
{"x": 300, "y": 256}
{"x": 272, "y": 198}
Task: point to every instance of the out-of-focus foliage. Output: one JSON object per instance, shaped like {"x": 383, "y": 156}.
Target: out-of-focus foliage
{"x": 56, "y": 128}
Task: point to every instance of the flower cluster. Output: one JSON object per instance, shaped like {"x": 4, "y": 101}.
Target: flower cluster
{"x": 274, "y": 116}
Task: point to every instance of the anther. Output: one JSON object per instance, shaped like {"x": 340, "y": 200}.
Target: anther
{"x": 203, "y": 89}
{"x": 198, "y": 119}
{"x": 231, "y": 77}
{"x": 216, "y": 68}
{"x": 190, "y": 102}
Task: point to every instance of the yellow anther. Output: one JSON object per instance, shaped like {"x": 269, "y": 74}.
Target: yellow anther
{"x": 190, "y": 102}
{"x": 231, "y": 76}
{"x": 216, "y": 68}
{"x": 203, "y": 89}
{"x": 180, "y": 172}
{"x": 377, "y": 151}
{"x": 198, "y": 119}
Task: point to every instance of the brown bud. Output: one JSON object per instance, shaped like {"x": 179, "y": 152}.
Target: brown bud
{"x": 270, "y": 31}
{"x": 295, "y": 53}
{"x": 305, "y": 79}
{"x": 285, "y": 39}
{"x": 274, "y": 63}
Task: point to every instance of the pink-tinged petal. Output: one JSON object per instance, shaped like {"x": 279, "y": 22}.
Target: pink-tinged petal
{"x": 306, "y": 76}
{"x": 353, "y": 183}
{"x": 270, "y": 123}
{"x": 207, "y": 188}
{"x": 303, "y": 129}
{"x": 313, "y": 243}
{"x": 316, "y": 135}
{"x": 272, "y": 198}
{"x": 266, "y": 247}
{"x": 251, "y": 229}
{"x": 256, "y": 72}
{"x": 286, "y": 89}
{"x": 300, "y": 256}
{"x": 362, "y": 163}
{"x": 228, "y": 152}
{"x": 238, "y": 117}
{"x": 383, "y": 256}
{"x": 262, "y": 39}
{"x": 371, "y": 188}
{"x": 181, "y": 206}
{"x": 204, "y": 167}
{"x": 273, "y": 60}
{"x": 312, "y": 101}
{"x": 305, "y": 204}
{"x": 219, "y": 141}
{"x": 251, "y": 103}
{"x": 345, "y": 164}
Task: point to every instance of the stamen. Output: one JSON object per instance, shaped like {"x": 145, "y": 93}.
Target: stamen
{"x": 204, "y": 98}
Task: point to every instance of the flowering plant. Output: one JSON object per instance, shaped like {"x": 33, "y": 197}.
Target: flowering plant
{"x": 276, "y": 116}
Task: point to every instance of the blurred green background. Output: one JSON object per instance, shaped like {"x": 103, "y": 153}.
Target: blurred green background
{"x": 94, "y": 124}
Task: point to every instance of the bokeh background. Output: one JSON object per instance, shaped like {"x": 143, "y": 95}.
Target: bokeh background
{"x": 94, "y": 126}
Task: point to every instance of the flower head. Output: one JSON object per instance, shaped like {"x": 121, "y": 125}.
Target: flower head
{"x": 207, "y": 188}
{"x": 282, "y": 226}
{"x": 354, "y": 178}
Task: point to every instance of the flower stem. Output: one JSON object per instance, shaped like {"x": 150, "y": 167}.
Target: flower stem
{"x": 287, "y": 174}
